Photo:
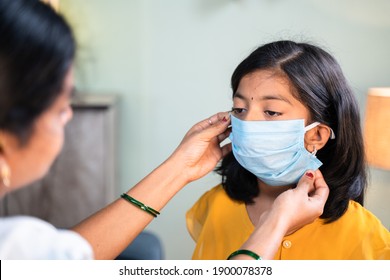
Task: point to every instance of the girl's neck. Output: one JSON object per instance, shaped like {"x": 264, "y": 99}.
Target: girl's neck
{"x": 270, "y": 192}
{"x": 263, "y": 202}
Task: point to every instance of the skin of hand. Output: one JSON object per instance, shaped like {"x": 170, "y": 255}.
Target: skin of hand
{"x": 290, "y": 211}
{"x": 303, "y": 204}
{"x": 200, "y": 151}
{"x": 114, "y": 227}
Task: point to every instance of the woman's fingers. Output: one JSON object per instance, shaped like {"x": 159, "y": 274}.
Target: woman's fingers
{"x": 314, "y": 187}
{"x": 226, "y": 149}
{"x": 321, "y": 191}
{"x": 212, "y": 126}
{"x": 224, "y": 135}
{"x": 306, "y": 183}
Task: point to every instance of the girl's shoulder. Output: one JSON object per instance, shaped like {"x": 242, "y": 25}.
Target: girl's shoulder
{"x": 362, "y": 220}
{"x": 216, "y": 195}
{"x": 211, "y": 210}
{"x": 356, "y": 211}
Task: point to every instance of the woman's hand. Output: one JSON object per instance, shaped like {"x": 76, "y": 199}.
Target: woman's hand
{"x": 200, "y": 151}
{"x": 303, "y": 204}
{"x": 290, "y": 211}
{"x": 196, "y": 155}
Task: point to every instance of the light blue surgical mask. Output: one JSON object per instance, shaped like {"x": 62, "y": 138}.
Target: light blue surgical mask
{"x": 274, "y": 151}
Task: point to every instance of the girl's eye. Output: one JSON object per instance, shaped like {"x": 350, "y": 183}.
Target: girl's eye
{"x": 237, "y": 111}
{"x": 272, "y": 113}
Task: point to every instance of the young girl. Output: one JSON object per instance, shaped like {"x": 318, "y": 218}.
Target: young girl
{"x": 293, "y": 111}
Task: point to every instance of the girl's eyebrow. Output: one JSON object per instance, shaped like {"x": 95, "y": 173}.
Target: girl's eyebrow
{"x": 238, "y": 95}
{"x": 274, "y": 96}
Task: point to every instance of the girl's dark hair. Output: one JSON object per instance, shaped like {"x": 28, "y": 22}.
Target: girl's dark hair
{"x": 36, "y": 50}
{"x": 320, "y": 85}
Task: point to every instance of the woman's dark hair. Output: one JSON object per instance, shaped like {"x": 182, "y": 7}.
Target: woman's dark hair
{"x": 36, "y": 50}
{"x": 318, "y": 83}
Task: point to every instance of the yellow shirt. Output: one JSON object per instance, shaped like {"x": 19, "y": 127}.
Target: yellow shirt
{"x": 220, "y": 226}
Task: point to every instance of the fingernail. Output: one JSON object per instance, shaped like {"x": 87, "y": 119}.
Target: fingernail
{"x": 310, "y": 175}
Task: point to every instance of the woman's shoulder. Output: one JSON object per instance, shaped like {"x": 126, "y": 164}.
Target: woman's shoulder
{"x": 18, "y": 225}
{"x": 24, "y": 237}
{"x": 15, "y": 222}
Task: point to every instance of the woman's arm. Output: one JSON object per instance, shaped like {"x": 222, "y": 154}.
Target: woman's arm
{"x": 111, "y": 229}
{"x": 290, "y": 211}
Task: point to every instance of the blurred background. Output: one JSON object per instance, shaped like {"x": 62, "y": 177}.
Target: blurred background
{"x": 169, "y": 64}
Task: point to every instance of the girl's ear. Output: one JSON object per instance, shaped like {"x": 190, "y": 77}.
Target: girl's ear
{"x": 4, "y": 168}
{"x": 317, "y": 137}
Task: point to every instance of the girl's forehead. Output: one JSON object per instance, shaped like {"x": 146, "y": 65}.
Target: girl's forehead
{"x": 265, "y": 81}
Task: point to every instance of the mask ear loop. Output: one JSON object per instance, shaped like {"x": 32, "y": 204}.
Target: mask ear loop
{"x": 314, "y": 124}
{"x": 310, "y": 126}
{"x": 332, "y": 134}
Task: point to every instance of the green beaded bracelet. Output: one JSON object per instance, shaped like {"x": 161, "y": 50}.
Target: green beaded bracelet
{"x": 140, "y": 205}
{"x": 245, "y": 252}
